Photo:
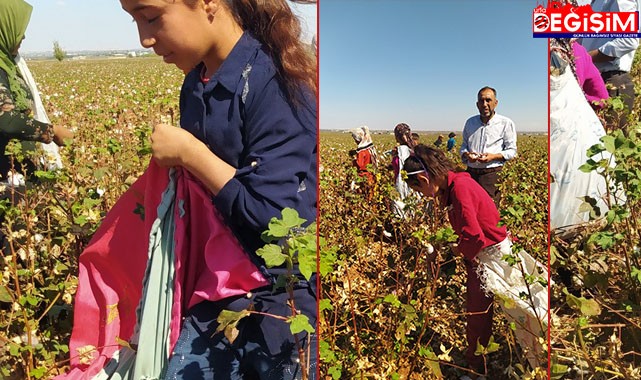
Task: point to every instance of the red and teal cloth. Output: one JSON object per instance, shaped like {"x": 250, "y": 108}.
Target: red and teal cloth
{"x": 161, "y": 249}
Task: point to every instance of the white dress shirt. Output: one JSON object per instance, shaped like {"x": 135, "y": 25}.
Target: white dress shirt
{"x": 621, "y": 48}
{"x": 497, "y": 136}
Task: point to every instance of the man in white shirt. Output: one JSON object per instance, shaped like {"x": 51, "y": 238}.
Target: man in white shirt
{"x": 613, "y": 57}
{"x": 489, "y": 139}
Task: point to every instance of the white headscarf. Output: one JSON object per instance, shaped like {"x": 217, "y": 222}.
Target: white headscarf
{"x": 363, "y": 138}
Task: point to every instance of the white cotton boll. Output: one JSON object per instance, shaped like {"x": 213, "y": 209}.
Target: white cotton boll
{"x": 430, "y": 248}
{"x": 15, "y": 179}
{"x": 22, "y": 254}
{"x": 34, "y": 339}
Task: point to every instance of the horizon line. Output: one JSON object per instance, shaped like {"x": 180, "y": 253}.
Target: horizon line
{"x": 416, "y": 130}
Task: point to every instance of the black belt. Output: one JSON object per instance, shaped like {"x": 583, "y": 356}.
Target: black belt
{"x": 484, "y": 170}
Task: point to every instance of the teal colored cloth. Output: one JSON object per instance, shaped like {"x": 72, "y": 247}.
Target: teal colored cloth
{"x": 151, "y": 335}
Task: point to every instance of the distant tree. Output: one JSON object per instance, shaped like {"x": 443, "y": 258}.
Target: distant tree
{"x": 58, "y": 53}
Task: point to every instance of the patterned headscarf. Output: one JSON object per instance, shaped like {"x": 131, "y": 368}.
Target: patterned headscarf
{"x": 14, "y": 18}
{"x": 403, "y": 132}
{"x": 363, "y": 138}
{"x": 561, "y": 54}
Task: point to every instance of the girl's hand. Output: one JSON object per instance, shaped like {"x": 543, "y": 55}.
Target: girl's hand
{"x": 169, "y": 144}
{"x": 455, "y": 250}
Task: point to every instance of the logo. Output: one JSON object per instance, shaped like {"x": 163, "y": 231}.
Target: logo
{"x": 541, "y": 22}
{"x": 566, "y": 20}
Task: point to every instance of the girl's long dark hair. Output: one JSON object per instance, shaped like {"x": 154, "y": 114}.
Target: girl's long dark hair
{"x": 434, "y": 161}
{"x": 274, "y": 24}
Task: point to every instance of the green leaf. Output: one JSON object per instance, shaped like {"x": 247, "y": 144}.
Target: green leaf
{"x": 492, "y": 346}
{"x": 61, "y": 267}
{"x": 590, "y": 307}
{"x": 335, "y": 371}
{"x": 39, "y": 372}
{"x": 272, "y": 254}
{"x": 392, "y": 300}
{"x": 604, "y": 239}
{"x": 507, "y": 302}
{"x": 299, "y": 324}
{"x": 588, "y": 166}
{"x": 558, "y": 371}
{"x": 307, "y": 262}
{"x": 28, "y": 299}
{"x": 511, "y": 259}
{"x": 291, "y": 218}
{"x": 595, "y": 149}
{"x": 432, "y": 361}
{"x": 280, "y": 228}
{"x": 100, "y": 172}
{"x": 553, "y": 255}
{"x": 326, "y": 353}
{"x": 227, "y": 322}
{"x": 327, "y": 261}
{"x": 14, "y": 349}
{"x": 635, "y": 274}
{"x": 45, "y": 175}
{"x": 484, "y": 350}
{"x": 617, "y": 103}
{"x": 608, "y": 143}
{"x": 5, "y": 296}
{"x": 582, "y": 321}
{"x": 585, "y": 306}
{"x": 80, "y": 220}
{"x": 325, "y": 304}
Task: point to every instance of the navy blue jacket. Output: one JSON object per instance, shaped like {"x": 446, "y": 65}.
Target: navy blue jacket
{"x": 242, "y": 115}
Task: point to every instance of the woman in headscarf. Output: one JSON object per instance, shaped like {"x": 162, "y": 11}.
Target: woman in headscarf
{"x": 583, "y": 69}
{"x": 403, "y": 135}
{"x": 22, "y": 114}
{"x": 365, "y": 157}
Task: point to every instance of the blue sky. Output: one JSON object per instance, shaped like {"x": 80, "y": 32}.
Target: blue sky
{"x": 101, "y": 25}
{"x": 422, "y": 62}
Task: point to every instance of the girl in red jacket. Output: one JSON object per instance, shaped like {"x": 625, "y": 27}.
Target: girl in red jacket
{"x": 484, "y": 245}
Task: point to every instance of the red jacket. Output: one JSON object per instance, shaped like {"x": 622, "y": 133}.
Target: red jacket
{"x": 364, "y": 158}
{"x": 472, "y": 214}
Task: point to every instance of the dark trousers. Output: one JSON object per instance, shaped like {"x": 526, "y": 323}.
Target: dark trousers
{"x": 488, "y": 179}
{"x": 619, "y": 83}
{"x": 479, "y": 320}
{"x": 264, "y": 349}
